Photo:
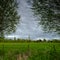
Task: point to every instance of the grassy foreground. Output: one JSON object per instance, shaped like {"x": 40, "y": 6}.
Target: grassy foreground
{"x": 30, "y": 51}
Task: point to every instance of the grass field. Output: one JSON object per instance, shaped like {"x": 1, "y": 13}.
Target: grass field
{"x": 30, "y": 51}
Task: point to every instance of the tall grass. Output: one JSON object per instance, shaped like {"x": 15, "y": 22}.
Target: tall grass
{"x": 32, "y": 51}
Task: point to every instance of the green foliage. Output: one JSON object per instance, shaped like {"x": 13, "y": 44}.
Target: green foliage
{"x": 49, "y": 13}
{"x": 8, "y": 16}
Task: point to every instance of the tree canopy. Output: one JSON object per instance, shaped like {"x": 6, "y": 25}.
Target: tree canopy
{"x": 49, "y": 13}
{"x": 8, "y": 16}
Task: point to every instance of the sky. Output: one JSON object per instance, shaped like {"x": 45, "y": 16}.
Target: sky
{"x": 28, "y": 24}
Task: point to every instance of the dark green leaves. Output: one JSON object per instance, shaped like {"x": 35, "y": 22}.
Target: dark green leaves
{"x": 49, "y": 11}
{"x": 8, "y": 16}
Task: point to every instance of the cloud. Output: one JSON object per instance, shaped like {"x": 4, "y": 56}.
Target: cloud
{"x": 28, "y": 25}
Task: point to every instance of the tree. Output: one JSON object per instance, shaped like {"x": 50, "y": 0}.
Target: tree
{"x": 8, "y": 16}
{"x": 49, "y": 13}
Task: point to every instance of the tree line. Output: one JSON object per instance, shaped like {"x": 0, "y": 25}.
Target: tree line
{"x": 28, "y": 40}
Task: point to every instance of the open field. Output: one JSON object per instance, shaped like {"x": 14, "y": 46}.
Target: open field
{"x": 30, "y": 51}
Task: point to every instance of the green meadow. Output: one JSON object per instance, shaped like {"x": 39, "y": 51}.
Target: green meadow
{"x": 30, "y": 51}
